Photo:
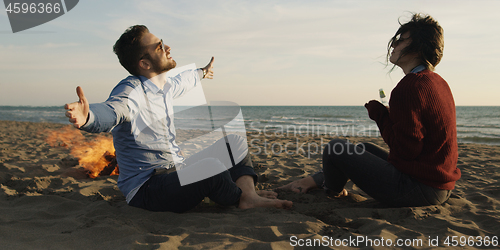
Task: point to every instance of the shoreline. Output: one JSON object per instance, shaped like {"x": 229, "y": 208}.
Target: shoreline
{"x": 475, "y": 124}
{"x": 491, "y": 141}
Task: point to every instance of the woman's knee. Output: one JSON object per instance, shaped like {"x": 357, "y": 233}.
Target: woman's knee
{"x": 331, "y": 154}
{"x": 339, "y": 147}
{"x": 330, "y": 148}
{"x": 338, "y": 152}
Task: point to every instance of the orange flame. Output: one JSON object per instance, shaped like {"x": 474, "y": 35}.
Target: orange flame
{"x": 94, "y": 155}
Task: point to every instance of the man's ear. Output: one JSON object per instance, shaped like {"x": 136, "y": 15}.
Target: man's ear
{"x": 144, "y": 64}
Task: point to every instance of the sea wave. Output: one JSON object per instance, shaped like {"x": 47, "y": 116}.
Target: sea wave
{"x": 478, "y": 126}
{"x": 480, "y": 140}
{"x": 474, "y": 124}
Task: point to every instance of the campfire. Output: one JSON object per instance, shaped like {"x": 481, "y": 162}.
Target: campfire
{"x": 96, "y": 154}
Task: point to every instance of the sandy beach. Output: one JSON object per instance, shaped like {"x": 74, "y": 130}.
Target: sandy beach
{"x": 47, "y": 201}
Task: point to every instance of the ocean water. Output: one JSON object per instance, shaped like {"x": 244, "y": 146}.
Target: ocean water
{"x": 474, "y": 124}
{"x": 33, "y": 114}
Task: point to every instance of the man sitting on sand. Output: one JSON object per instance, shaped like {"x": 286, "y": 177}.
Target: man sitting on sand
{"x": 146, "y": 58}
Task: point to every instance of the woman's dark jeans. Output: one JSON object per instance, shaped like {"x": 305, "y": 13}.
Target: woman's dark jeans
{"x": 366, "y": 166}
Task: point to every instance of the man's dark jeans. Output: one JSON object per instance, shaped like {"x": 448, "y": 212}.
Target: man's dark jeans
{"x": 164, "y": 192}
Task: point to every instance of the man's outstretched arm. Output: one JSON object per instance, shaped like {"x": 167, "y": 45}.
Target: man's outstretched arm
{"x": 188, "y": 79}
{"x": 78, "y": 112}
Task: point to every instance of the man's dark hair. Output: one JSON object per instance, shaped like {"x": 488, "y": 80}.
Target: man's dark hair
{"x": 128, "y": 48}
{"x": 426, "y": 40}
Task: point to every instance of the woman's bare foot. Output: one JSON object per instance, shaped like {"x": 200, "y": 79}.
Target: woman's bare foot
{"x": 342, "y": 194}
{"x": 300, "y": 186}
{"x": 267, "y": 194}
{"x": 250, "y": 199}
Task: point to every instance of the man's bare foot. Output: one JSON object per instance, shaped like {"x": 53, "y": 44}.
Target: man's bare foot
{"x": 300, "y": 186}
{"x": 254, "y": 200}
{"x": 250, "y": 199}
{"x": 267, "y": 194}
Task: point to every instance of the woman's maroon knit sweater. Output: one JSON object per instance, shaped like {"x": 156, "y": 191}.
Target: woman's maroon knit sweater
{"x": 420, "y": 129}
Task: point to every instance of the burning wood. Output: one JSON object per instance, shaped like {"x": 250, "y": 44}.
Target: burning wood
{"x": 112, "y": 166}
{"x": 97, "y": 155}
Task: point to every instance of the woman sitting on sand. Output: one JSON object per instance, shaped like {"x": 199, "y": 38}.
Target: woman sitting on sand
{"x": 419, "y": 128}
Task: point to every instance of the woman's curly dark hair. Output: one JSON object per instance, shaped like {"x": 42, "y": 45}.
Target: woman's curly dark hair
{"x": 426, "y": 40}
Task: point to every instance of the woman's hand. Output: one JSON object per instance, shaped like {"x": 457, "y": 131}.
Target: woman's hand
{"x": 376, "y": 110}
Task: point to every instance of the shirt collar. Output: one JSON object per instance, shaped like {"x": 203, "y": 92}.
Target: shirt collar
{"x": 418, "y": 69}
{"x": 149, "y": 84}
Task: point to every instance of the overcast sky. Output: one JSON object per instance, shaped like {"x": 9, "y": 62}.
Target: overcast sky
{"x": 266, "y": 52}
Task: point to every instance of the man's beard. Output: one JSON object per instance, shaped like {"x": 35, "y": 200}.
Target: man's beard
{"x": 160, "y": 68}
